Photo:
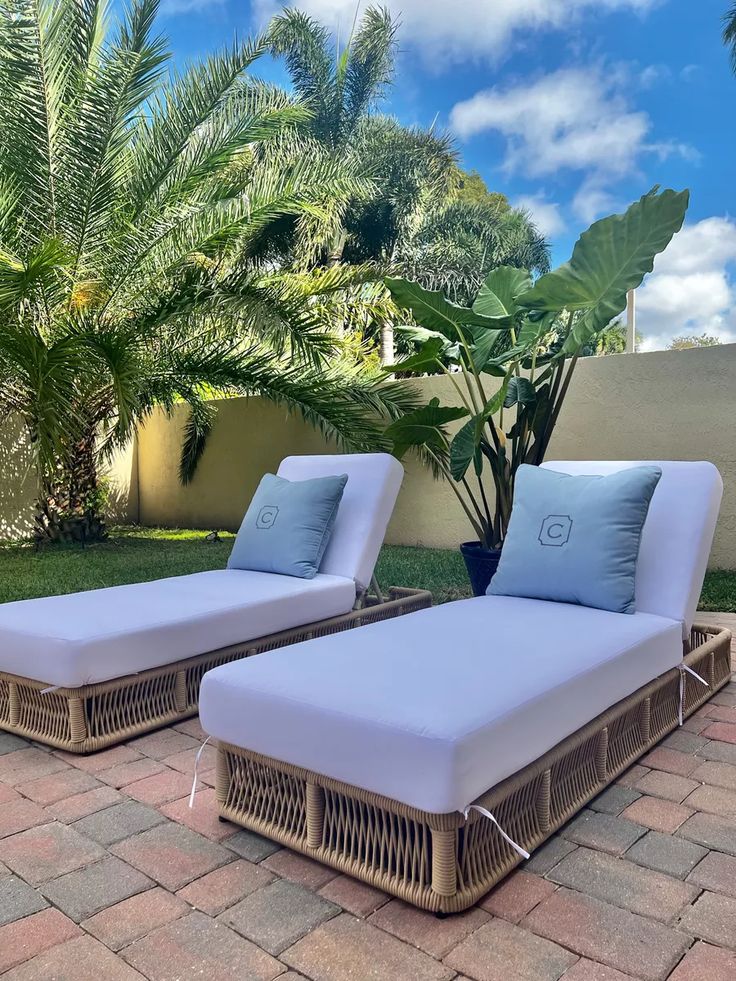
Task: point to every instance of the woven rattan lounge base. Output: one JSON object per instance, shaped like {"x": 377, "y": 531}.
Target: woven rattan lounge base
{"x": 441, "y": 862}
{"x": 83, "y": 720}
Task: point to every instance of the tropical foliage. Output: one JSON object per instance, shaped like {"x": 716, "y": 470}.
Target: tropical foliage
{"x": 422, "y": 216}
{"x": 149, "y": 220}
{"x": 686, "y": 341}
{"x": 511, "y": 356}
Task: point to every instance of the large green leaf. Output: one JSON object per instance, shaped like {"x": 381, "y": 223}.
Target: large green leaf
{"x": 467, "y": 440}
{"x": 423, "y": 427}
{"x": 426, "y": 358}
{"x": 450, "y": 350}
{"x": 519, "y": 390}
{"x": 432, "y": 310}
{"x": 499, "y": 293}
{"x": 484, "y": 343}
{"x": 609, "y": 259}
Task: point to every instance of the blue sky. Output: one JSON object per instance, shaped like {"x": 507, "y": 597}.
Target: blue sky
{"x": 572, "y": 108}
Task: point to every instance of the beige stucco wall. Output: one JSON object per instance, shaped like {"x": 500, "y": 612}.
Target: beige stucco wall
{"x": 18, "y": 483}
{"x": 249, "y": 439}
{"x": 676, "y": 405}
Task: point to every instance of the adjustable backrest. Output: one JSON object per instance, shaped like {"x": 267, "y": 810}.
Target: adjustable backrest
{"x": 677, "y": 536}
{"x": 374, "y": 481}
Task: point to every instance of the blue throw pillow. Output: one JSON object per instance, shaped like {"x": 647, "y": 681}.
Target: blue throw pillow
{"x": 288, "y": 525}
{"x": 575, "y": 539}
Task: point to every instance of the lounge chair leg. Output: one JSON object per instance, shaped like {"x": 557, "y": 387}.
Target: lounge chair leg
{"x": 77, "y": 721}
{"x": 444, "y": 862}
{"x": 13, "y": 704}
{"x": 315, "y": 801}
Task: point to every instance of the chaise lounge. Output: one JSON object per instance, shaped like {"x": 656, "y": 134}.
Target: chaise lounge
{"x": 85, "y": 670}
{"x": 427, "y": 756}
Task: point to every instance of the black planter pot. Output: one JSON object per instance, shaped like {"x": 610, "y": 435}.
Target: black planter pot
{"x": 481, "y": 564}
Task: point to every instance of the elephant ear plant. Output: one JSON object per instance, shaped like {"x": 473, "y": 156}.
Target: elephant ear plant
{"x": 511, "y": 356}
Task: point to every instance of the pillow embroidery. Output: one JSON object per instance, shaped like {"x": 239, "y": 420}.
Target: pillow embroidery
{"x": 267, "y": 516}
{"x": 555, "y": 530}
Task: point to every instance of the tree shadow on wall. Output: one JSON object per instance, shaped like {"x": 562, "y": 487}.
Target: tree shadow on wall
{"x": 17, "y": 482}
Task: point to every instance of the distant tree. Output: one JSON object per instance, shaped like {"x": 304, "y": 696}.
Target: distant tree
{"x": 411, "y": 170}
{"x": 340, "y": 89}
{"x": 457, "y": 243}
{"x": 692, "y": 340}
{"x": 472, "y": 188}
{"x": 611, "y": 340}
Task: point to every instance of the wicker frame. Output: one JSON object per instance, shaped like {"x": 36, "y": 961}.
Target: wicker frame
{"x": 83, "y": 720}
{"x": 441, "y": 862}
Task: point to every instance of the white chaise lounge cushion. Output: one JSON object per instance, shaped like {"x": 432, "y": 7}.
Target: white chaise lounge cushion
{"x": 435, "y": 708}
{"x": 83, "y": 638}
{"x": 677, "y": 535}
{"x": 374, "y": 481}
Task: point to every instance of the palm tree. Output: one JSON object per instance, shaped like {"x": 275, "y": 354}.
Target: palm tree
{"x": 140, "y": 214}
{"x": 416, "y": 217}
{"x": 411, "y": 169}
{"x": 457, "y": 244}
{"x": 340, "y": 89}
{"x": 729, "y": 33}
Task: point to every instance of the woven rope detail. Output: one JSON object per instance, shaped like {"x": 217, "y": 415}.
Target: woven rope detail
{"x": 47, "y": 714}
{"x": 390, "y": 844}
{"x": 4, "y": 702}
{"x": 265, "y": 794}
{"x": 395, "y": 853}
{"x": 147, "y": 700}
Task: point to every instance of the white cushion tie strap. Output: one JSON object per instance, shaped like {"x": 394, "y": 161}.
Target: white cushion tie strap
{"x": 487, "y": 814}
{"x": 196, "y": 768}
{"x": 683, "y": 669}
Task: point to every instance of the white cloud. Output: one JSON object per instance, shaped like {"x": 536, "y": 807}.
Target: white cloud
{"x": 545, "y": 214}
{"x": 691, "y": 290}
{"x": 472, "y": 28}
{"x": 173, "y": 7}
{"x": 576, "y": 119}
{"x": 654, "y": 74}
{"x": 592, "y": 201}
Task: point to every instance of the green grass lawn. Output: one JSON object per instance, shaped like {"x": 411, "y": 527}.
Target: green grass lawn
{"x": 138, "y": 554}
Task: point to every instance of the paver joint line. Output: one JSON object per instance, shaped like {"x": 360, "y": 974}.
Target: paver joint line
{"x": 100, "y": 863}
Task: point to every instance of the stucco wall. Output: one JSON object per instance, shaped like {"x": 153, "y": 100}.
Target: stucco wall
{"x": 18, "y": 483}
{"x": 677, "y": 405}
{"x": 249, "y": 439}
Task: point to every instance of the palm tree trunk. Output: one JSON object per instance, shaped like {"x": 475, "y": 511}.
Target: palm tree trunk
{"x": 387, "y": 351}
{"x": 338, "y": 248}
{"x": 69, "y": 504}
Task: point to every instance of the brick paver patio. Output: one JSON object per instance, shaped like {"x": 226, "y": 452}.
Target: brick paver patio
{"x": 105, "y": 873}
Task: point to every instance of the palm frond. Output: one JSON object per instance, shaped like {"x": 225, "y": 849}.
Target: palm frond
{"x": 304, "y": 45}
{"x": 182, "y": 110}
{"x": 370, "y": 66}
{"x": 97, "y": 142}
{"x": 729, "y": 33}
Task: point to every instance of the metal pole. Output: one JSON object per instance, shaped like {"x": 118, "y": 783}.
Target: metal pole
{"x": 631, "y": 322}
